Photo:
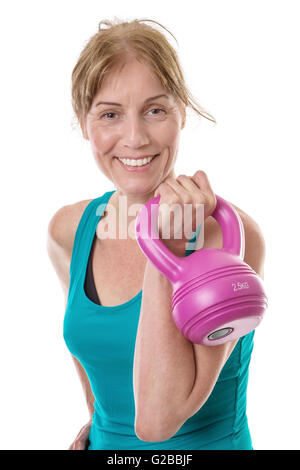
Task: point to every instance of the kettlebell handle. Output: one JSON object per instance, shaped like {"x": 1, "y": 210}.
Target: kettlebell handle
{"x": 171, "y": 265}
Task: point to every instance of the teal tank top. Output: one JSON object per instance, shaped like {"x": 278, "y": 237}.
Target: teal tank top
{"x": 103, "y": 340}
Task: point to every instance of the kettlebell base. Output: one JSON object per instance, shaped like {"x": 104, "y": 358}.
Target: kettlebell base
{"x": 237, "y": 328}
{"x": 235, "y": 320}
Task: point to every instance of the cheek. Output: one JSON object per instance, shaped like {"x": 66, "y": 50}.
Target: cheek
{"x": 170, "y": 131}
{"x": 101, "y": 141}
{"x": 170, "y": 137}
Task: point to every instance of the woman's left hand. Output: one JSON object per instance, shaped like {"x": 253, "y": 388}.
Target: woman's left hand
{"x": 187, "y": 193}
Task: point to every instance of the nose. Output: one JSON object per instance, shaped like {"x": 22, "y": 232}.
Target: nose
{"x": 135, "y": 133}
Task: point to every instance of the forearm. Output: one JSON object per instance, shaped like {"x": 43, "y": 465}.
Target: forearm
{"x": 164, "y": 363}
{"x": 85, "y": 385}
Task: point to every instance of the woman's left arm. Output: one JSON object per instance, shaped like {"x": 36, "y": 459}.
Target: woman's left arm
{"x": 173, "y": 377}
{"x": 209, "y": 360}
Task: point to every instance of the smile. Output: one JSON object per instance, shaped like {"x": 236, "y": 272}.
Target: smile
{"x": 137, "y": 161}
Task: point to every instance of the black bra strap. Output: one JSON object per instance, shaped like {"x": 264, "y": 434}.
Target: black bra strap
{"x": 89, "y": 284}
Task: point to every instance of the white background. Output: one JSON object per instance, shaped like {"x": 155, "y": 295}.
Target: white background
{"x": 241, "y": 61}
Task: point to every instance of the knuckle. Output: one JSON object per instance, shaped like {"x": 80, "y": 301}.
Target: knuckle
{"x": 172, "y": 200}
{"x": 200, "y": 198}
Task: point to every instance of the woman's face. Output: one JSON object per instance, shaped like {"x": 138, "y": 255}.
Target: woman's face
{"x": 125, "y": 121}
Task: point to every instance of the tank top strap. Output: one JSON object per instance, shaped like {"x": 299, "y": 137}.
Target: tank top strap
{"x": 192, "y": 245}
{"x": 86, "y": 230}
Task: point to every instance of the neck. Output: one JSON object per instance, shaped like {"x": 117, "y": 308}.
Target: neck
{"x": 127, "y": 206}
{"x": 131, "y": 199}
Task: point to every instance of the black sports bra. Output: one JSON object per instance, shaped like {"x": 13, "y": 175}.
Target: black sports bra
{"x": 89, "y": 284}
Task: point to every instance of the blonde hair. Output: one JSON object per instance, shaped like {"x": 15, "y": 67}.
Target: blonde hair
{"x": 111, "y": 46}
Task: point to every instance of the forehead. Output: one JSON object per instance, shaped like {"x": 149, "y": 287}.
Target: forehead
{"x": 131, "y": 77}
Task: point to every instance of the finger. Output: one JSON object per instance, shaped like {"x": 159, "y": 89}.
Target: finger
{"x": 80, "y": 445}
{"x": 181, "y": 191}
{"x": 202, "y": 181}
{"x": 190, "y": 185}
{"x": 166, "y": 192}
{"x": 77, "y": 445}
{"x": 200, "y": 177}
{"x": 199, "y": 200}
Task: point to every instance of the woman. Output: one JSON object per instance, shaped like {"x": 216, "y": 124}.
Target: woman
{"x": 146, "y": 385}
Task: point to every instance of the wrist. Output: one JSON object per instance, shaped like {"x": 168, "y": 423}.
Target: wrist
{"x": 152, "y": 274}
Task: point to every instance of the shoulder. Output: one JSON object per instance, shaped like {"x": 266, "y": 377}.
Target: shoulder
{"x": 60, "y": 238}
{"x": 63, "y": 224}
{"x": 255, "y": 246}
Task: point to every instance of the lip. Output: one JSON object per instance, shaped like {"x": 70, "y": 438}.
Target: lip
{"x": 129, "y": 157}
{"x": 137, "y": 168}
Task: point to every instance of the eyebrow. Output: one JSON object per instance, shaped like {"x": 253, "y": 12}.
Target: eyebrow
{"x": 146, "y": 101}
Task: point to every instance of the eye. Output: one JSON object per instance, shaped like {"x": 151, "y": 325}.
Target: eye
{"x": 158, "y": 109}
{"x": 107, "y": 114}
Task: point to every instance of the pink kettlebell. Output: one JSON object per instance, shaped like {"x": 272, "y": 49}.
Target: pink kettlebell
{"x": 217, "y": 297}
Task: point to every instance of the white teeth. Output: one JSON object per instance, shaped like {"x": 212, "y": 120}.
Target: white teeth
{"x": 137, "y": 162}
